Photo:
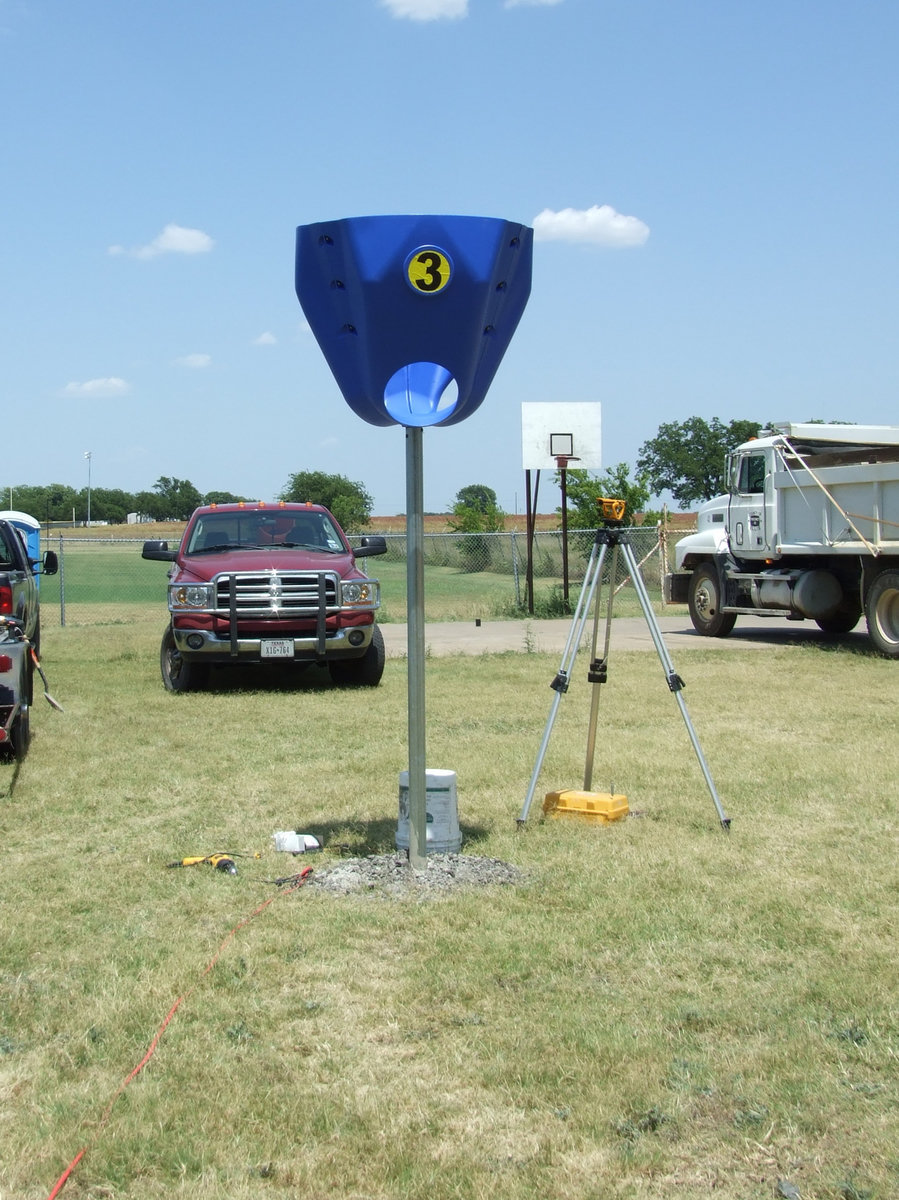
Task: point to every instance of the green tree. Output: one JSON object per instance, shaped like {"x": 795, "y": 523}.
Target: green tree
{"x": 476, "y": 513}
{"x": 44, "y": 502}
{"x": 584, "y": 489}
{"x": 223, "y": 498}
{"x": 475, "y": 509}
{"x": 177, "y": 499}
{"x": 477, "y": 496}
{"x": 109, "y": 504}
{"x": 149, "y": 504}
{"x": 348, "y": 501}
{"x": 687, "y": 458}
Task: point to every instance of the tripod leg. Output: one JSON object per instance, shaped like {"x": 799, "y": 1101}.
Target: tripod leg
{"x": 560, "y": 683}
{"x": 599, "y": 667}
{"x": 675, "y": 683}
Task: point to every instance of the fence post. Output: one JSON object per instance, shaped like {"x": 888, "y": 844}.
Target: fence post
{"x": 62, "y": 582}
{"x": 663, "y": 550}
{"x": 515, "y": 573}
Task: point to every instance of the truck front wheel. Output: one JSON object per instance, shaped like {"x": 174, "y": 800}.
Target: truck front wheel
{"x": 178, "y": 674}
{"x": 882, "y": 613}
{"x": 361, "y": 672}
{"x": 704, "y": 601}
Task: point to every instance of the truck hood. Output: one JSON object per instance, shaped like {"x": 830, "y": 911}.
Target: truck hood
{"x": 711, "y": 533}
{"x": 204, "y": 567}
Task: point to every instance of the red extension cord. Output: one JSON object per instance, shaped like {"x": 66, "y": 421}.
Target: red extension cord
{"x": 61, "y": 1182}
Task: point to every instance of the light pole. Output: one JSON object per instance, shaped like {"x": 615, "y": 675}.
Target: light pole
{"x": 88, "y": 455}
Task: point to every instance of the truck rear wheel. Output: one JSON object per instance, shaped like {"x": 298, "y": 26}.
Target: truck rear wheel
{"x": 843, "y": 620}
{"x": 882, "y": 613}
{"x": 704, "y": 601}
{"x": 20, "y": 734}
{"x": 361, "y": 672}
{"x": 178, "y": 674}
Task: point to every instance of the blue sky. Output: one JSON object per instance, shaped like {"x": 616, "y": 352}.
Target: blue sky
{"x": 713, "y": 186}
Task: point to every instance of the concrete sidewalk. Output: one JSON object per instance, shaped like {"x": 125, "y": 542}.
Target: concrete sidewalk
{"x": 628, "y": 633}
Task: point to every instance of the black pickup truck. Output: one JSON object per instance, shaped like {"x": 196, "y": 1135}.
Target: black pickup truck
{"x": 20, "y": 629}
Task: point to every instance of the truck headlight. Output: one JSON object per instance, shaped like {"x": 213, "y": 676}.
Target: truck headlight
{"x": 361, "y": 591}
{"x": 191, "y": 596}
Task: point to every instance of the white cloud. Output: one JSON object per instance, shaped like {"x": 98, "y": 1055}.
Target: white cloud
{"x": 174, "y": 239}
{"x": 265, "y": 339}
{"x": 531, "y": 3}
{"x": 600, "y": 225}
{"x": 93, "y": 389}
{"x": 427, "y": 10}
{"x": 194, "y": 360}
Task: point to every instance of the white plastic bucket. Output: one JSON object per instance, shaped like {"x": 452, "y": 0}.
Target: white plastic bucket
{"x": 441, "y": 804}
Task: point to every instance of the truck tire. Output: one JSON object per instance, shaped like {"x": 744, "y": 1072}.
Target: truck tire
{"x": 178, "y": 674}
{"x": 844, "y": 620}
{"x": 882, "y": 613}
{"x": 704, "y": 600}
{"x": 361, "y": 672}
{"x": 20, "y": 733}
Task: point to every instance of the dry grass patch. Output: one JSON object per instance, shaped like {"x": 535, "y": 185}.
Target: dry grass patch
{"x": 660, "y": 1009}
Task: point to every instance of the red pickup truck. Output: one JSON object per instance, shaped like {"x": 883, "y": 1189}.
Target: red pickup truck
{"x": 269, "y": 583}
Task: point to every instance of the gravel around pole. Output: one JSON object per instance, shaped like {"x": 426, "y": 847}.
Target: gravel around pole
{"x": 392, "y": 876}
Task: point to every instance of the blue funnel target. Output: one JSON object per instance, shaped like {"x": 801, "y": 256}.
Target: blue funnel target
{"x": 414, "y": 313}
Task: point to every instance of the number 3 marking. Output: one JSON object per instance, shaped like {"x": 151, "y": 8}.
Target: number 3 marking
{"x": 428, "y": 270}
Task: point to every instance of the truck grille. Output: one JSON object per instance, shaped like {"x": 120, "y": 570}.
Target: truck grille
{"x": 275, "y": 594}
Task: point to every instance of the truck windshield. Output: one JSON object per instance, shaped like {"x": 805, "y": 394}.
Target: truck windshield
{"x": 265, "y": 531}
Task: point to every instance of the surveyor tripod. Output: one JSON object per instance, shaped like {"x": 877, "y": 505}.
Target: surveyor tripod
{"x": 611, "y": 535}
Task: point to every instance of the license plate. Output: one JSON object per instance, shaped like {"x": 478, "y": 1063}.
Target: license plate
{"x": 276, "y": 648}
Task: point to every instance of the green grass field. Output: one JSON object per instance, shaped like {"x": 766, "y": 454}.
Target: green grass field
{"x": 97, "y": 579}
{"x": 660, "y": 1010}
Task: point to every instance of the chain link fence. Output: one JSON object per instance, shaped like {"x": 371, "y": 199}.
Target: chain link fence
{"x": 466, "y": 575}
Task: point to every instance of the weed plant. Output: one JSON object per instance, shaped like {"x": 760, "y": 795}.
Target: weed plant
{"x": 662, "y": 1009}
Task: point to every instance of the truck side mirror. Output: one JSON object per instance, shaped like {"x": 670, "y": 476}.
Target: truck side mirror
{"x": 49, "y": 563}
{"x": 158, "y": 551}
{"x": 370, "y": 547}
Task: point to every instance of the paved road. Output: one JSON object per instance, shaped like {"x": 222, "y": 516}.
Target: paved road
{"x": 628, "y": 633}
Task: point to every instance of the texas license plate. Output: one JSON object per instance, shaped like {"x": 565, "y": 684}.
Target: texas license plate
{"x": 276, "y": 648}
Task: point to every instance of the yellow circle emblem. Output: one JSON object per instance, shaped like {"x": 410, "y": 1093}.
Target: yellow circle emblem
{"x": 428, "y": 270}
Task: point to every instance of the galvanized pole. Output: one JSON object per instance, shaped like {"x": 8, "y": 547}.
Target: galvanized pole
{"x": 62, "y": 583}
{"x": 415, "y": 642}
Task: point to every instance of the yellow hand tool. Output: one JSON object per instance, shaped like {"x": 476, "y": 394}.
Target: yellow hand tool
{"x": 221, "y": 862}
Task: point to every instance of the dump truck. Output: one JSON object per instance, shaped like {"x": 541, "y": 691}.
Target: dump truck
{"x": 809, "y": 530}
{"x": 269, "y": 584}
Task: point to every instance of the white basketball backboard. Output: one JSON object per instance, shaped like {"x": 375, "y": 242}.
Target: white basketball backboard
{"x": 552, "y": 432}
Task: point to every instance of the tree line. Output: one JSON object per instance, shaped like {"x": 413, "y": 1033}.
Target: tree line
{"x": 685, "y": 458}
{"x": 172, "y": 499}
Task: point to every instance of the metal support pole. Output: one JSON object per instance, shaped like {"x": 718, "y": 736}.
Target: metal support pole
{"x": 564, "y": 476}
{"x": 415, "y": 644}
{"x": 62, "y": 582}
{"x": 530, "y": 521}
